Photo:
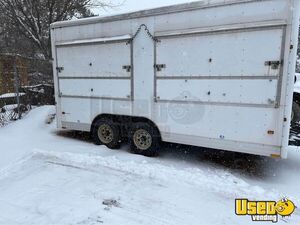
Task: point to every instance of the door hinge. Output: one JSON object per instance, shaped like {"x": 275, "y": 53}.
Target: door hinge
{"x": 59, "y": 69}
{"x": 127, "y": 68}
{"x": 273, "y": 64}
{"x": 159, "y": 67}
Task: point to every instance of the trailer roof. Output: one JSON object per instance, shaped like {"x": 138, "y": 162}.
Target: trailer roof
{"x": 149, "y": 12}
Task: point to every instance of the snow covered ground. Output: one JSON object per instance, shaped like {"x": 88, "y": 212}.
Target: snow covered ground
{"x": 11, "y": 95}
{"x": 56, "y": 177}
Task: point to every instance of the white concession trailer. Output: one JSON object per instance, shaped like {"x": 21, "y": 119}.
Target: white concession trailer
{"x": 217, "y": 74}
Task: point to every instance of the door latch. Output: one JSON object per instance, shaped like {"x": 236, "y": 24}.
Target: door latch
{"x": 127, "y": 68}
{"x": 59, "y": 69}
{"x": 159, "y": 67}
{"x": 273, "y": 64}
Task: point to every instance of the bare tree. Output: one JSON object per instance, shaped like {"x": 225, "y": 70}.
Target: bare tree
{"x": 32, "y": 18}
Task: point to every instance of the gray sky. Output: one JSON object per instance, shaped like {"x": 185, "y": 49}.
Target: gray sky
{"x": 135, "y": 5}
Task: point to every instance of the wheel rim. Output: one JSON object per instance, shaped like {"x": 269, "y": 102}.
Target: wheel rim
{"x": 142, "y": 139}
{"x": 105, "y": 134}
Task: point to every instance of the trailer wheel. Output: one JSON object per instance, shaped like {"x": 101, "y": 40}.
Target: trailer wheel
{"x": 144, "y": 139}
{"x": 106, "y": 132}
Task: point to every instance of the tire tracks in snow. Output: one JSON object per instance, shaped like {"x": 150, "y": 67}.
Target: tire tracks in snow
{"x": 221, "y": 182}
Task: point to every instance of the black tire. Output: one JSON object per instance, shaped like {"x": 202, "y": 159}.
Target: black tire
{"x": 109, "y": 135}
{"x": 144, "y": 139}
{"x": 296, "y": 113}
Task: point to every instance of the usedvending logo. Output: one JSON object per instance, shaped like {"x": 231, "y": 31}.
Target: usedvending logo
{"x": 264, "y": 210}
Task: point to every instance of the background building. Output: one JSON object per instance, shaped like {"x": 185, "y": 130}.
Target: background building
{"x": 13, "y": 71}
